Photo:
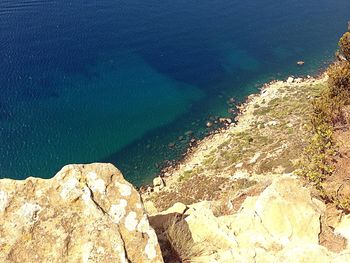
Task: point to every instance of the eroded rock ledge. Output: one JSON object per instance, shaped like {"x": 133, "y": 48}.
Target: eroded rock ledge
{"x": 89, "y": 213}
{"x": 86, "y": 213}
{"x": 281, "y": 224}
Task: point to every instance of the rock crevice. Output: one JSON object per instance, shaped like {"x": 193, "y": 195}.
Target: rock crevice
{"x": 86, "y": 213}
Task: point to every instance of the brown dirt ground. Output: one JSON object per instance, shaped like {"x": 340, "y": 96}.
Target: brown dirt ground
{"x": 327, "y": 237}
{"x": 337, "y": 186}
{"x": 337, "y": 189}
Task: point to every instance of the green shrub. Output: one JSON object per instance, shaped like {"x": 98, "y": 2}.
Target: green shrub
{"x": 317, "y": 163}
{"x": 344, "y": 45}
{"x": 328, "y": 108}
{"x": 339, "y": 77}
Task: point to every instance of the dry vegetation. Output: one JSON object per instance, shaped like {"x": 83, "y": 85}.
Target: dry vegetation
{"x": 301, "y": 125}
{"x": 325, "y": 158}
{"x": 270, "y": 136}
{"x": 182, "y": 246}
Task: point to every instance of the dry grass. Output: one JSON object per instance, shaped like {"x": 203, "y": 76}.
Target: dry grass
{"x": 278, "y": 123}
{"x": 323, "y": 159}
{"x": 182, "y": 246}
{"x": 270, "y": 140}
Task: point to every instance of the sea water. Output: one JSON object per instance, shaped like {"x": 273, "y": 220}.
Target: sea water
{"x": 123, "y": 81}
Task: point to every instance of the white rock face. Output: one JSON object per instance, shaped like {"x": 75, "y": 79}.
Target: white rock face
{"x": 255, "y": 158}
{"x": 69, "y": 188}
{"x": 124, "y": 189}
{"x": 86, "y": 213}
{"x": 29, "y": 211}
{"x": 131, "y": 221}
{"x": 3, "y": 201}
{"x": 288, "y": 213}
{"x": 290, "y": 80}
{"x": 118, "y": 211}
{"x": 96, "y": 184}
{"x": 158, "y": 183}
{"x": 281, "y": 224}
{"x": 204, "y": 226}
{"x": 343, "y": 228}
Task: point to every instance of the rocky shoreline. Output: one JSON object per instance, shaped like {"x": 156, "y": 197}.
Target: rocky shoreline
{"x": 234, "y": 197}
{"x": 252, "y": 204}
{"x": 168, "y": 174}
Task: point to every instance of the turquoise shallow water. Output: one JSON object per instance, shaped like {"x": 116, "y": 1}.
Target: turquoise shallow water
{"x": 117, "y": 81}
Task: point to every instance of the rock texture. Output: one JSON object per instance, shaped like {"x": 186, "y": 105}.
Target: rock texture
{"x": 281, "y": 224}
{"x": 86, "y": 213}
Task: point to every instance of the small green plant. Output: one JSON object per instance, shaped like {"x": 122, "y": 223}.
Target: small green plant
{"x": 339, "y": 77}
{"x": 319, "y": 154}
{"x": 317, "y": 163}
{"x": 186, "y": 175}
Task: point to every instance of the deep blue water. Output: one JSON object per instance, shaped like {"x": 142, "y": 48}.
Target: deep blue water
{"x": 117, "y": 81}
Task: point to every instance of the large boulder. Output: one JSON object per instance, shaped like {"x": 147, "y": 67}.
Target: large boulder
{"x": 206, "y": 228}
{"x": 86, "y": 213}
{"x": 281, "y": 224}
{"x": 284, "y": 213}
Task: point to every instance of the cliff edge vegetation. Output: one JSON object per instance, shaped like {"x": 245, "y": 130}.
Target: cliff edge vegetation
{"x": 295, "y": 132}
{"x": 294, "y": 126}
{"x": 268, "y": 137}
{"x": 325, "y": 161}
{"x": 273, "y": 186}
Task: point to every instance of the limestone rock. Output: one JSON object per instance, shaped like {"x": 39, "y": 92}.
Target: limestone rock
{"x": 282, "y": 224}
{"x": 304, "y": 253}
{"x": 290, "y": 80}
{"x": 160, "y": 220}
{"x": 150, "y": 208}
{"x": 343, "y": 228}
{"x": 283, "y": 213}
{"x": 178, "y": 208}
{"x": 158, "y": 184}
{"x": 255, "y": 158}
{"x": 241, "y": 255}
{"x": 86, "y": 213}
{"x": 239, "y": 165}
{"x": 205, "y": 227}
{"x": 288, "y": 213}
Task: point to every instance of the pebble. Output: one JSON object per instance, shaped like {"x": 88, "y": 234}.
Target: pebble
{"x": 231, "y": 110}
{"x": 189, "y": 133}
{"x": 209, "y": 124}
{"x": 290, "y": 80}
{"x": 239, "y": 165}
{"x": 225, "y": 120}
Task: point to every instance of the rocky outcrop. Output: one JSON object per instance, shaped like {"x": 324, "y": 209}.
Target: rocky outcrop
{"x": 89, "y": 213}
{"x": 281, "y": 224}
{"x": 86, "y": 213}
